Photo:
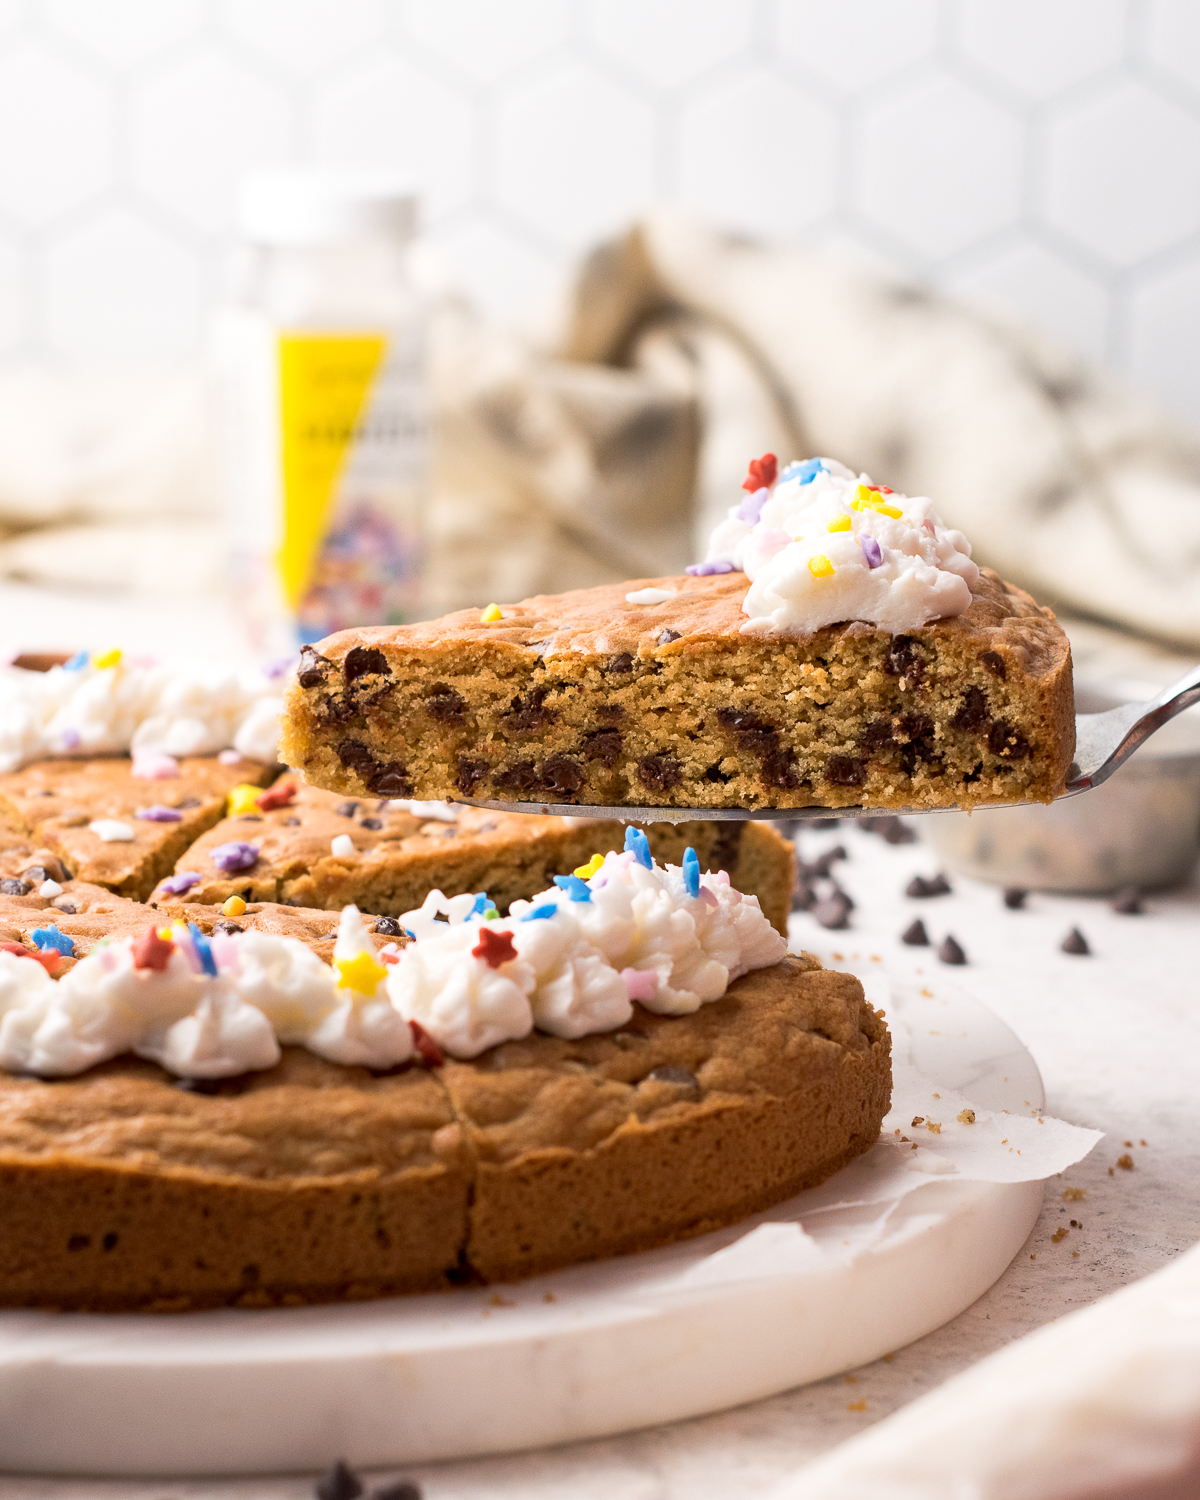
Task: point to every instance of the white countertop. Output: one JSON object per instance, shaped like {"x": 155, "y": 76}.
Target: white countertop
{"x": 1115, "y": 1036}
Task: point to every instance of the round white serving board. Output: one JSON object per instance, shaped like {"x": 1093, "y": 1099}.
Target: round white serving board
{"x": 495, "y": 1369}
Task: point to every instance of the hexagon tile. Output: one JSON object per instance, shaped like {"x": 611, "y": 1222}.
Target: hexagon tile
{"x": 1041, "y": 155}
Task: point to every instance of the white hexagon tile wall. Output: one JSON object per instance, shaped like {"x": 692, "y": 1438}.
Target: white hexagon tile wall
{"x": 1043, "y": 155}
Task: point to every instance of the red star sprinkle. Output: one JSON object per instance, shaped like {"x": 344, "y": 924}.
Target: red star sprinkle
{"x": 17, "y": 950}
{"x": 277, "y": 796}
{"x": 495, "y": 948}
{"x": 431, "y": 1054}
{"x": 762, "y": 473}
{"x": 151, "y": 951}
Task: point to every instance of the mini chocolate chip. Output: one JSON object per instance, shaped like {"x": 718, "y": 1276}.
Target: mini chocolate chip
{"x": 68, "y": 908}
{"x": 372, "y": 823}
{"x": 226, "y": 926}
{"x": 36, "y": 874}
{"x": 187, "y": 802}
{"x": 935, "y": 885}
{"x": 1014, "y": 897}
{"x": 715, "y": 773}
{"x": 994, "y": 662}
{"x": 445, "y": 704}
{"x": 779, "y": 770}
{"x": 951, "y": 952}
{"x": 603, "y": 745}
{"x": 669, "y": 1073}
{"x": 110, "y": 1240}
{"x": 665, "y": 637}
{"x": 291, "y": 822}
{"x": 14, "y": 887}
{"x": 198, "y": 1085}
{"x": 403, "y": 1489}
{"x": 356, "y": 757}
{"x": 521, "y": 776}
{"x": 612, "y": 712}
{"x": 833, "y": 911}
{"x": 902, "y": 659}
{"x": 388, "y": 927}
{"x": 249, "y": 818}
{"x": 915, "y": 935}
{"x": 659, "y": 772}
{"x": 346, "y": 809}
{"x": 1128, "y": 902}
{"x": 1006, "y": 742}
{"x": 471, "y": 771}
{"x": 1075, "y": 942}
{"x": 338, "y": 1483}
{"x": 845, "y": 770}
{"x": 391, "y": 780}
{"x": 79, "y": 1242}
{"x": 364, "y": 661}
{"x": 974, "y": 713}
{"x": 878, "y": 735}
{"x": 561, "y": 774}
{"x": 311, "y": 671}
{"x": 621, "y": 663}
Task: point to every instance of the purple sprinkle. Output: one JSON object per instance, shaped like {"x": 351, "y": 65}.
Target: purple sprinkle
{"x": 705, "y": 570}
{"x": 159, "y": 814}
{"x": 872, "y": 551}
{"x": 235, "y": 856}
{"x": 70, "y": 738}
{"x": 184, "y": 881}
{"x": 279, "y": 667}
{"x": 751, "y": 507}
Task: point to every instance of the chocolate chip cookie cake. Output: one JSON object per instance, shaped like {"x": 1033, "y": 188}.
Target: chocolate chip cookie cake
{"x": 194, "y": 1118}
{"x": 837, "y": 648}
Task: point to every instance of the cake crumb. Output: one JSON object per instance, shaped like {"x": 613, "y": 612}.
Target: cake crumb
{"x": 1074, "y": 1254}
{"x": 966, "y": 1117}
{"x": 1125, "y": 1162}
{"x": 934, "y": 1127}
{"x": 856, "y": 1406}
{"x": 549, "y": 1297}
{"x": 1058, "y": 1236}
{"x": 496, "y": 1300}
{"x": 888, "y": 1358}
{"x": 1074, "y": 1195}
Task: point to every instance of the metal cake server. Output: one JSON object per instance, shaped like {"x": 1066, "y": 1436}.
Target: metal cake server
{"x": 1103, "y": 743}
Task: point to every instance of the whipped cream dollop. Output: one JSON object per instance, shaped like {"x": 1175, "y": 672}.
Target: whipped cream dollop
{"x": 98, "y": 704}
{"x": 821, "y": 545}
{"x": 571, "y": 962}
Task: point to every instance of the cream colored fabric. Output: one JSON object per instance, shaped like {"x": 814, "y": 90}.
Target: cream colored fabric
{"x": 610, "y": 454}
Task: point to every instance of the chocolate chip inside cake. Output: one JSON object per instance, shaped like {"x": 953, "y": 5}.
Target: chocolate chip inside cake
{"x": 588, "y": 698}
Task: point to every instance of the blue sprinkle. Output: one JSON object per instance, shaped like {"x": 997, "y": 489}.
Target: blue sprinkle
{"x": 638, "y": 845}
{"x": 481, "y": 905}
{"x": 549, "y": 910}
{"x": 411, "y": 935}
{"x": 575, "y": 888}
{"x": 77, "y": 662}
{"x": 50, "y": 937}
{"x": 805, "y": 472}
{"x": 691, "y": 872}
{"x": 203, "y": 950}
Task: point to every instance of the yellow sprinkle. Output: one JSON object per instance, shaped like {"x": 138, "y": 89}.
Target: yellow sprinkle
{"x": 585, "y": 872}
{"x": 839, "y": 523}
{"x": 820, "y": 566}
{"x": 361, "y": 973}
{"x": 492, "y": 612}
{"x": 244, "y": 799}
{"x": 889, "y": 510}
{"x": 107, "y": 659}
{"x": 234, "y": 907}
{"x": 166, "y": 934}
{"x": 864, "y": 496}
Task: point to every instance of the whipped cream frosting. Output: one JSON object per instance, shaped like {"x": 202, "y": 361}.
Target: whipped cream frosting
{"x": 821, "y": 545}
{"x": 97, "y": 705}
{"x": 571, "y": 962}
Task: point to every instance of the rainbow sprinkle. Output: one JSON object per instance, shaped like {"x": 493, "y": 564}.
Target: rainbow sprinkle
{"x": 575, "y": 888}
{"x": 637, "y": 844}
{"x": 107, "y": 659}
{"x": 691, "y": 872}
{"x": 243, "y": 799}
{"x": 820, "y": 566}
{"x": 839, "y": 523}
{"x": 234, "y": 907}
{"x": 585, "y": 872}
{"x": 492, "y": 613}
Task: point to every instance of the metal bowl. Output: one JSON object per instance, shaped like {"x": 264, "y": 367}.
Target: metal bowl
{"x": 1140, "y": 828}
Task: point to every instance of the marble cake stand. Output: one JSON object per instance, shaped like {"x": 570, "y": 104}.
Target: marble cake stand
{"x": 580, "y": 1353}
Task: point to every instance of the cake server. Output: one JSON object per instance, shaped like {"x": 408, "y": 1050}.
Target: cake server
{"x": 1103, "y": 743}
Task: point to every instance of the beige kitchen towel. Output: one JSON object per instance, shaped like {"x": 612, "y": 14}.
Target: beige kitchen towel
{"x": 611, "y": 452}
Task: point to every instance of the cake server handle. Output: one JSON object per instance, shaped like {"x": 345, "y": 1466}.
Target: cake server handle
{"x": 1105, "y": 741}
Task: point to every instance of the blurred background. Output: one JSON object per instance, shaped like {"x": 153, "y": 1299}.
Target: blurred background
{"x": 1037, "y": 162}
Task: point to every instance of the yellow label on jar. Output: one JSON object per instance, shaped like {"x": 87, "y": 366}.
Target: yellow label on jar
{"x": 325, "y": 382}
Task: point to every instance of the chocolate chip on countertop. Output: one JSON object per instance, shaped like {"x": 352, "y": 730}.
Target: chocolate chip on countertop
{"x": 388, "y": 927}
{"x": 401, "y": 1489}
{"x": 1128, "y": 902}
{"x": 915, "y": 935}
{"x": 338, "y": 1483}
{"x": 669, "y": 1073}
{"x": 825, "y": 862}
{"x": 346, "y": 809}
{"x": 833, "y": 911}
{"x": 1014, "y": 897}
{"x": 891, "y": 830}
{"x": 14, "y": 887}
{"x": 919, "y": 886}
{"x": 950, "y": 951}
{"x": 1075, "y": 942}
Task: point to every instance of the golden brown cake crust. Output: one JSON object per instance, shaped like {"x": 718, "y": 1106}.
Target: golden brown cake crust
{"x": 583, "y": 697}
{"x": 314, "y": 1182}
